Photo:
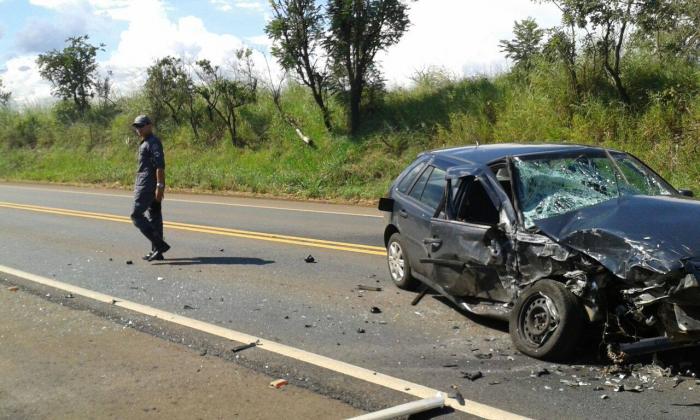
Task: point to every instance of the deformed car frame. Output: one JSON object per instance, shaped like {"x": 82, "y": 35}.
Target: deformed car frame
{"x": 551, "y": 237}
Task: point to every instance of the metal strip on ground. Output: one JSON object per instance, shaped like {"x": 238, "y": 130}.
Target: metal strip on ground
{"x": 218, "y": 203}
{"x": 357, "y": 372}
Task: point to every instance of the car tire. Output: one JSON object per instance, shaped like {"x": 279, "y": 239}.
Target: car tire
{"x": 546, "y": 321}
{"x": 398, "y": 263}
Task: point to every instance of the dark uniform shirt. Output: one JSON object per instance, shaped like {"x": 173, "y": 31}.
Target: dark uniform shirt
{"x": 150, "y": 158}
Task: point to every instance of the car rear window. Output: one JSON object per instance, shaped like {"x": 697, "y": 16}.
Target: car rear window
{"x": 417, "y": 190}
{"x": 407, "y": 181}
{"x": 434, "y": 188}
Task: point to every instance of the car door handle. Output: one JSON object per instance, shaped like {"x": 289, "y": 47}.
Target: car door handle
{"x": 432, "y": 241}
{"x": 403, "y": 213}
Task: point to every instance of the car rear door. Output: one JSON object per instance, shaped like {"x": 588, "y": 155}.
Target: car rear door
{"x": 415, "y": 210}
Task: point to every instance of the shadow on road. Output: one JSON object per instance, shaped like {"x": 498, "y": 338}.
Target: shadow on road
{"x": 215, "y": 261}
{"x": 484, "y": 321}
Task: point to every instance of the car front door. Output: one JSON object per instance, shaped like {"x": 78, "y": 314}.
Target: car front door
{"x": 467, "y": 250}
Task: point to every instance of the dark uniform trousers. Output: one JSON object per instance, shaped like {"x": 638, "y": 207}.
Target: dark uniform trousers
{"x": 151, "y": 226}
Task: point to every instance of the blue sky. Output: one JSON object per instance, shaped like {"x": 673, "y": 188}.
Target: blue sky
{"x": 460, "y": 36}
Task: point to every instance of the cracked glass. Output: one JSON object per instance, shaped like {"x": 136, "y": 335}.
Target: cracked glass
{"x": 553, "y": 186}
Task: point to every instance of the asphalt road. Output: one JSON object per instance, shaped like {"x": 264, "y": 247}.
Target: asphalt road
{"x": 265, "y": 288}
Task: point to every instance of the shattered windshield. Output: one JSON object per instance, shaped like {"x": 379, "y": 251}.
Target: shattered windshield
{"x": 552, "y": 186}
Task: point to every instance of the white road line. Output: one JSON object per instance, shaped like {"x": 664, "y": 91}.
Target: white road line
{"x": 218, "y": 203}
{"x": 367, "y": 375}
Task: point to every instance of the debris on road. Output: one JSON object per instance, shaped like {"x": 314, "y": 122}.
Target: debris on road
{"x": 160, "y": 279}
{"x": 245, "y": 347}
{"x": 203, "y": 352}
{"x": 188, "y": 307}
{"x": 278, "y": 383}
{"x": 539, "y": 372}
{"x": 604, "y": 397}
{"x": 484, "y": 356}
{"x": 459, "y": 397}
{"x": 360, "y": 330}
{"x": 69, "y": 296}
{"x": 114, "y": 301}
{"x": 13, "y": 288}
{"x": 129, "y": 262}
{"x": 472, "y": 376}
{"x": 375, "y": 310}
{"x": 420, "y": 296}
{"x": 310, "y": 259}
{"x": 450, "y": 365}
{"x": 369, "y": 288}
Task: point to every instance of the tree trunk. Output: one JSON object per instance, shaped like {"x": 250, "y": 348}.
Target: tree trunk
{"x": 355, "y": 100}
{"x": 619, "y": 86}
{"x": 318, "y": 97}
{"x": 231, "y": 122}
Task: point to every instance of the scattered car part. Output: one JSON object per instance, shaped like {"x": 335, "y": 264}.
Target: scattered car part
{"x": 407, "y": 409}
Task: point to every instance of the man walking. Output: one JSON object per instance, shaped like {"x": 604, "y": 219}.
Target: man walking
{"x": 149, "y": 188}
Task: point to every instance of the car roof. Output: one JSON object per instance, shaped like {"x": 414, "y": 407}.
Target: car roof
{"x": 488, "y": 153}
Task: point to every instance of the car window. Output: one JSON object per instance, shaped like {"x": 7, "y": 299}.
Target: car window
{"x": 407, "y": 180}
{"x": 417, "y": 190}
{"x": 434, "y": 189}
{"x": 476, "y": 206}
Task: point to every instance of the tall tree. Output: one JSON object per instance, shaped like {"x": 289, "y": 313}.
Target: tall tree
{"x": 358, "y": 30}
{"x": 4, "y": 95}
{"x": 672, "y": 27}
{"x": 526, "y": 44}
{"x": 608, "y": 24}
{"x": 172, "y": 93}
{"x": 297, "y": 32}
{"x": 72, "y": 71}
{"x": 225, "y": 95}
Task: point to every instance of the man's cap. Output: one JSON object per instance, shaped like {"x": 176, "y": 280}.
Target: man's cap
{"x": 141, "y": 120}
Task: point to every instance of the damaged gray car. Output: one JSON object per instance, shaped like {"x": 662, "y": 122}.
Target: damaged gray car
{"x": 560, "y": 240}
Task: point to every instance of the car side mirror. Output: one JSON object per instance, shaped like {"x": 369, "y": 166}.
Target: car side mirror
{"x": 686, "y": 193}
{"x": 386, "y": 204}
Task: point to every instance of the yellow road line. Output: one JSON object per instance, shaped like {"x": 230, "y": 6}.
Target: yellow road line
{"x": 270, "y": 237}
{"x": 470, "y": 407}
{"x": 218, "y": 203}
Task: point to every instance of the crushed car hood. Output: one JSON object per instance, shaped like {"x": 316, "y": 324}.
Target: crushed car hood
{"x": 632, "y": 236}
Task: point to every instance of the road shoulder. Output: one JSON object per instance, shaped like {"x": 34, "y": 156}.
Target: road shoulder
{"x": 61, "y": 362}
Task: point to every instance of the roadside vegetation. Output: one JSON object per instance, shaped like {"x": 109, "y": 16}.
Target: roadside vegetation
{"x": 620, "y": 74}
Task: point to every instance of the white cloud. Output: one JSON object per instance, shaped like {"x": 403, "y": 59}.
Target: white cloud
{"x": 223, "y": 5}
{"x": 23, "y": 80}
{"x": 229, "y": 5}
{"x": 460, "y": 36}
{"x": 260, "y": 40}
{"x": 150, "y": 35}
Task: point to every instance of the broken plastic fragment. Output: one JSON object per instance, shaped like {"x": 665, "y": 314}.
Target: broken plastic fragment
{"x": 278, "y": 383}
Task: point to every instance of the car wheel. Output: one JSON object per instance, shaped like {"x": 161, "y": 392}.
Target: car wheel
{"x": 399, "y": 267}
{"x": 546, "y": 321}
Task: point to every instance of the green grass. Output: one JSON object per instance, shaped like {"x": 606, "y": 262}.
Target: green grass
{"x": 664, "y": 131}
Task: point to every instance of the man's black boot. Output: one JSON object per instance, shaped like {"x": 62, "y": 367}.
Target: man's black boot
{"x": 157, "y": 255}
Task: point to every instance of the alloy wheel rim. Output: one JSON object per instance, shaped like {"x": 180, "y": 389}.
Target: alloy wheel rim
{"x": 396, "y": 261}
